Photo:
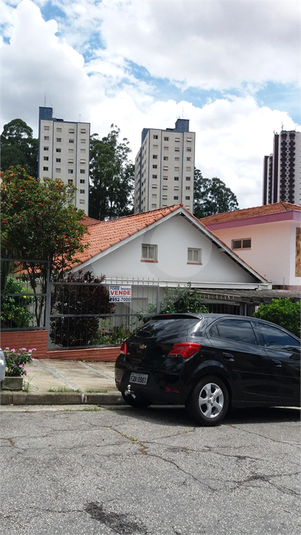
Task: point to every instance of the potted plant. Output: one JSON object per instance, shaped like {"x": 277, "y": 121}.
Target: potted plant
{"x": 15, "y": 360}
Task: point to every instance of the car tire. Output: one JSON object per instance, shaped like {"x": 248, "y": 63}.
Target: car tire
{"x": 208, "y": 402}
{"x": 137, "y": 402}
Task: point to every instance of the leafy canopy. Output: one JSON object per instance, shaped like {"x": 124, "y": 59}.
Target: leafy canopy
{"x": 18, "y": 147}
{"x": 182, "y": 300}
{"x": 111, "y": 176}
{"x": 211, "y": 196}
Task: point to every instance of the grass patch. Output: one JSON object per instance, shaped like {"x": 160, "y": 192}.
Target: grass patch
{"x": 64, "y": 390}
{"x": 103, "y": 391}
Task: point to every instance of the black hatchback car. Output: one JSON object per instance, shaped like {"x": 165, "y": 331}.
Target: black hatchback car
{"x": 209, "y": 362}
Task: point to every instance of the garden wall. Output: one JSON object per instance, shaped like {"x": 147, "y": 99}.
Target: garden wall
{"x": 38, "y": 339}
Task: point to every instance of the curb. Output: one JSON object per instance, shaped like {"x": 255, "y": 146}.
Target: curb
{"x": 62, "y": 398}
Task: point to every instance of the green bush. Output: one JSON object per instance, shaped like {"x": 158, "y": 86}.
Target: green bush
{"x": 182, "y": 300}
{"x": 283, "y": 312}
{"x": 14, "y": 308}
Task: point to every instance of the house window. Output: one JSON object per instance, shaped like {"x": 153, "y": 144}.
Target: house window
{"x": 164, "y": 197}
{"x": 58, "y": 160}
{"x": 155, "y": 136}
{"x": 58, "y": 139}
{"x": 165, "y": 158}
{"x": 165, "y": 167}
{"x": 83, "y": 131}
{"x": 165, "y": 187}
{"x": 244, "y": 243}
{"x": 176, "y": 178}
{"x": 165, "y": 177}
{"x": 188, "y": 178}
{"x": 46, "y": 138}
{"x": 82, "y": 171}
{"x": 149, "y": 252}
{"x": 176, "y": 188}
{"x": 45, "y": 168}
{"x": 82, "y": 191}
{"x": 71, "y": 130}
{"x": 155, "y": 156}
{"x": 82, "y": 181}
{"x": 187, "y": 188}
{"x": 194, "y": 256}
{"x": 176, "y": 197}
{"x": 187, "y": 198}
{"x": 166, "y": 139}
{"x": 188, "y": 139}
{"x": 46, "y": 158}
{"x": 58, "y": 150}
{"x": 177, "y": 139}
{"x": 155, "y": 166}
{"x": 188, "y": 149}
{"x": 154, "y": 186}
{"x": 188, "y": 158}
{"x": 177, "y": 149}
{"x": 71, "y": 140}
{"x": 70, "y": 161}
{"x": 46, "y": 148}
{"x": 154, "y": 176}
{"x": 46, "y": 127}
{"x": 70, "y": 171}
{"x": 82, "y": 161}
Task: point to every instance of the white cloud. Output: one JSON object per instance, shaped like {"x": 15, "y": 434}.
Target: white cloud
{"x": 214, "y": 44}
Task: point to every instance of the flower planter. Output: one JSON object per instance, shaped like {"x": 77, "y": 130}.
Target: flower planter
{"x": 13, "y": 383}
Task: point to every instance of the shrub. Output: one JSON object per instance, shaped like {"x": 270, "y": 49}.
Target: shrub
{"x": 15, "y": 360}
{"x": 14, "y": 308}
{"x": 182, "y": 300}
{"x": 283, "y": 312}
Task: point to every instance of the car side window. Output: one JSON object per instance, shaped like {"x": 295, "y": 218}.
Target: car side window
{"x": 236, "y": 330}
{"x": 274, "y": 337}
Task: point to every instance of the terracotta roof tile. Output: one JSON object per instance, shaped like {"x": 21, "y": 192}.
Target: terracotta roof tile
{"x": 104, "y": 234}
{"x": 247, "y": 213}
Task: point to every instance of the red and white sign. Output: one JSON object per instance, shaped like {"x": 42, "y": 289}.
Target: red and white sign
{"x": 120, "y": 294}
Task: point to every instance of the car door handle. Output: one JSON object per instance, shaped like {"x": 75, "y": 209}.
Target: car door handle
{"x": 228, "y": 356}
{"x": 277, "y": 363}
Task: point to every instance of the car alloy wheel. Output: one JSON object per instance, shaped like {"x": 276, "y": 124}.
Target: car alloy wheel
{"x": 209, "y": 401}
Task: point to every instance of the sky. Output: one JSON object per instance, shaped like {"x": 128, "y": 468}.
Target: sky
{"x": 231, "y": 67}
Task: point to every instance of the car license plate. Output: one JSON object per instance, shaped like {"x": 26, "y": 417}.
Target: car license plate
{"x": 139, "y": 378}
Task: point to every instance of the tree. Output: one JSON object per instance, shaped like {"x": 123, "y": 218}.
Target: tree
{"x": 182, "y": 300}
{"x": 111, "y": 177}
{"x": 39, "y": 222}
{"x": 18, "y": 147}
{"x": 211, "y": 196}
{"x": 79, "y": 301}
{"x": 283, "y": 312}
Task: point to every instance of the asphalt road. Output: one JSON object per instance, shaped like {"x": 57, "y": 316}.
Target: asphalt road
{"x": 114, "y": 470}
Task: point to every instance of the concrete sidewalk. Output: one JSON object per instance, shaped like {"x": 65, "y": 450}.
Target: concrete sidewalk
{"x": 64, "y": 382}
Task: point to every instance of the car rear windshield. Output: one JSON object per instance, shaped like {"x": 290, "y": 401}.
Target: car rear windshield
{"x": 168, "y": 325}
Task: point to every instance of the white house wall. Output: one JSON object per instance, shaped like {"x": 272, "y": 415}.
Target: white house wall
{"x": 273, "y": 249}
{"x": 173, "y": 237}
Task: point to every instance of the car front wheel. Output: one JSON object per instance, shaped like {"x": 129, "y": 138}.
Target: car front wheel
{"x": 208, "y": 402}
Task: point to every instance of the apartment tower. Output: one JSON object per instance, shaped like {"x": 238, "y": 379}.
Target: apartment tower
{"x": 282, "y": 169}
{"x": 164, "y": 168}
{"x": 64, "y": 153}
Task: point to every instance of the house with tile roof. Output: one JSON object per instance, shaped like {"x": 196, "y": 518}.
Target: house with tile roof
{"x": 266, "y": 237}
{"x": 160, "y": 248}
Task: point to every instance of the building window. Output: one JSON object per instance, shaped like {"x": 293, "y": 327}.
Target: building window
{"x": 188, "y": 149}
{"x": 82, "y": 171}
{"x": 154, "y": 186}
{"x": 194, "y": 256}
{"x": 83, "y": 131}
{"x": 165, "y": 177}
{"x": 187, "y": 188}
{"x": 165, "y": 167}
{"x": 58, "y": 139}
{"x": 71, "y": 151}
{"x": 70, "y": 171}
{"x": 176, "y": 178}
{"x": 166, "y": 148}
{"x": 177, "y": 149}
{"x": 188, "y": 168}
{"x": 176, "y": 188}
{"x": 187, "y": 198}
{"x": 149, "y": 252}
{"x": 155, "y": 136}
{"x": 71, "y": 140}
{"x": 244, "y": 243}
{"x": 154, "y": 176}
{"x": 177, "y": 139}
{"x": 176, "y": 169}
{"x": 82, "y": 201}
{"x": 164, "y": 197}
{"x": 57, "y": 169}
{"x": 45, "y": 168}
{"x": 71, "y": 130}
{"x": 82, "y": 151}
{"x": 155, "y": 146}
{"x": 83, "y": 141}
{"x": 82, "y": 161}
{"x": 82, "y": 181}
{"x": 46, "y": 148}
{"x": 70, "y": 161}
{"x": 165, "y": 158}
{"x": 46, "y": 127}
{"x": 58, "y": 150}
{"x": 188, "y": 139}
{"x": 70, "y": 182}
{"x": 166, "y": 139}
{"x": 58, "y": 160}
{"x": 82, "y": 191}
{"x": 177, "y": 159}
{"x": 188, "y": 159}
{"x": 154, "y": 195}
{"x": 154, "y": 206}
{"x": 155, "y": 166}
{"x": 155, "y": 156}
{"x": 165, "y": 187}
{"x": 176, "y": 198}
{"x": 58, "y": 129}
{"x": 46, "y": 138}
{"x": 188, "y": 178}
{"x": 46, "y": 157}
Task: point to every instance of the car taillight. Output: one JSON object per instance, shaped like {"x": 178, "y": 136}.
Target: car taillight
{"x": 184, "y": 350}
{"x": 123, "y": 349}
